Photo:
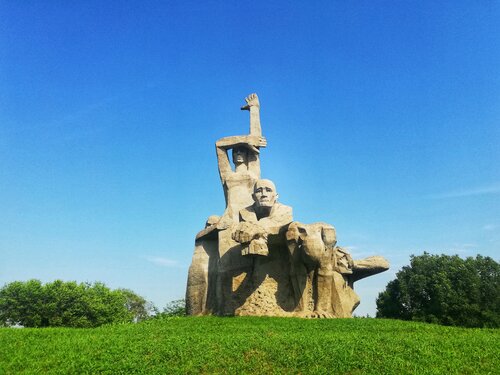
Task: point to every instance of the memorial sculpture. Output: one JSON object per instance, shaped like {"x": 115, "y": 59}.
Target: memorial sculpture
{"x": 255, "y": 260}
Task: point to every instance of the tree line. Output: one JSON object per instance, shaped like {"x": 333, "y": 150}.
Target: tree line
{"x": 440, "y": 289}
{"x": 71, "y": 304}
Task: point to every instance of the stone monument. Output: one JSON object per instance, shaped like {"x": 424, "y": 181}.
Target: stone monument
{"x": 255, "y": 260}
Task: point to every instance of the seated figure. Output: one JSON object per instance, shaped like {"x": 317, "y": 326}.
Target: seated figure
{"x": 265, "y": 216}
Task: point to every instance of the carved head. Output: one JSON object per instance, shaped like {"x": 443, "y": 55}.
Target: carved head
{"x": 319, "y": 232}
{"x": 214, "y": 219}
{"x": 264, "y": 193}
{"x": 240, "y": 155}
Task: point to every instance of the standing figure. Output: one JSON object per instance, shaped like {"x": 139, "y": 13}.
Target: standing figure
{"x": 208, "y": 271}
{"x": 238, "y": 183}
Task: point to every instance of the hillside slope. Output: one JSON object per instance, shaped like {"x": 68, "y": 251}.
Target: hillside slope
{"x": 252, "y": 345}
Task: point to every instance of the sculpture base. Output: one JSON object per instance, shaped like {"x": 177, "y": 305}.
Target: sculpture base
{"x": 224, "y": 280}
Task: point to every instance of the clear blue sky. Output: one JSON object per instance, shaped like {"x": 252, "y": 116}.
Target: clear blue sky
{"x": 382, "y": 118}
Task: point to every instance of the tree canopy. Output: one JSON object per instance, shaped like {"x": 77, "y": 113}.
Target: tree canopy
{"x": 444, "y": 289}
{"x": 175, "y": 308}
{"x": 68, "y": 304}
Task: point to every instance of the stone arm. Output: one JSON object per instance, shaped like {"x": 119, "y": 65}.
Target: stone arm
{"x": 254, "y": 234}
{"x": 253, "y": 238}
{"x": 255, "y": 121}
{"x": 254, "y": 164}
{"x": 368, "y": 266}
{"x": 223, "y": 163}
{"x": 249, "y": 228}
{"x": 245, "y": 232}
{"x": 253, "y": 105}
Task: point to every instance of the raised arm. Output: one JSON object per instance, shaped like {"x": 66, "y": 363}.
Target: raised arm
{"x": 223, "y": 163}
{"x": 253, "y": 106}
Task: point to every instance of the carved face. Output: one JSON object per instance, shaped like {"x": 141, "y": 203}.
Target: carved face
{"x": 240, "y": 155}
{"x": 264, "y": 193}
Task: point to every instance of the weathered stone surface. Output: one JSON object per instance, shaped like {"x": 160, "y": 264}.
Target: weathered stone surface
{"x": 255, "y": 260}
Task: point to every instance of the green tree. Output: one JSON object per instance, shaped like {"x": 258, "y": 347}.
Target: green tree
{"x": 137, "y": 305}
{"x": 67, "y": 304}
{"x": 445, "y": 289}
{"x": 22, "y": 302}
{"x": 175, "y": 308}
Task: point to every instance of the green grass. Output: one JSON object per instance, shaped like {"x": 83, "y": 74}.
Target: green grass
{"x": 254, "y": 346}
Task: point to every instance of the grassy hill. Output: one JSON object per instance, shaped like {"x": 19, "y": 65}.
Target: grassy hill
{"x": 253, "y": 346}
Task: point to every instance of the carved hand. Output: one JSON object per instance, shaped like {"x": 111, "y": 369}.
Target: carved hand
{"x": 257, "y": 141}
{"x": 252, "y": 101}
{"x": 246, "y": 232}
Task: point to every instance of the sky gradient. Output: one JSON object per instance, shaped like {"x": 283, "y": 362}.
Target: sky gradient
{"x": 382, "y": 118}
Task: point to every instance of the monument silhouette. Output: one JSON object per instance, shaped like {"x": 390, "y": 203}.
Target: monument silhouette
{"x": 255, "y": 260}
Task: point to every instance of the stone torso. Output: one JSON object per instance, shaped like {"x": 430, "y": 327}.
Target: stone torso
{"x": 238, "y": 188}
